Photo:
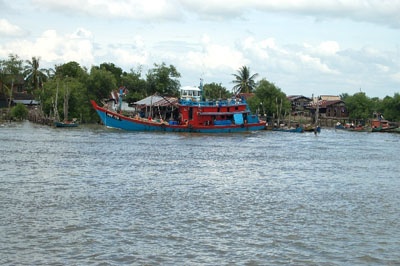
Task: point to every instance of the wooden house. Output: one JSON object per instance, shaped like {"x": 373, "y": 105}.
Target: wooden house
{"x": 299, "y": 104}
{"x": 329, "y": 108}
{"x": 19, "y": 93}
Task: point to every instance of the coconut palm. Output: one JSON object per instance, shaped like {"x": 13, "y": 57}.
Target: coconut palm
{"x": 34, "y": 75}
{"x": 244, "y": 82}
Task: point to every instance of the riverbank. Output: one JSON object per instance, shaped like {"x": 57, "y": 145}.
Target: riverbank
{"x": 36, "y": 116}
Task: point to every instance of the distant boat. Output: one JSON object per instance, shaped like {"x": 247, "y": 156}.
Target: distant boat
{"x": 312, "y": 128}
{"x": 394, "y": 130}
{"x": 382, "y": 125}
{"x": 72, "y": 123}
{"x": 315, "y": 127}
{"x": 297, "y": 129}
{"x": 352, "y": 127}
{"x": 283, "y": 127}
{"x": 188, "y": 114}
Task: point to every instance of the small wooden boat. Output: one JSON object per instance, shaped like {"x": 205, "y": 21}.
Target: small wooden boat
{"x": 297, "y": 129}
{"x": 352, "y": 127}
{"x": 394, "y": 130}
{"x": 312, "y": 128}
{"x": 72, "y": 123}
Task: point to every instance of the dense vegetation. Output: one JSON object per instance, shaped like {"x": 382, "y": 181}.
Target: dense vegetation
{"x": 48, "y": 85}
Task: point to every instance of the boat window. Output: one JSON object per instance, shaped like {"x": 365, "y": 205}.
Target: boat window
{"x": 190, "y": 113}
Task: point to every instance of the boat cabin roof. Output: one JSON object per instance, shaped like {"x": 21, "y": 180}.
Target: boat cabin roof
{"x": 189, "y": 88}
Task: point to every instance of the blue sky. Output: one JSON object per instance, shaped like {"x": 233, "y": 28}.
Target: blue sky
{"x": 305, "y": 47}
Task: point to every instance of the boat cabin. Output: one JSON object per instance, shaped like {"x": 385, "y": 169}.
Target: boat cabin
{"x": 189, "y": 93}
{"x": 215, "y": 113}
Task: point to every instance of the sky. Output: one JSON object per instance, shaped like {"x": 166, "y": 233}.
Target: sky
{"x": 304, "y": 47}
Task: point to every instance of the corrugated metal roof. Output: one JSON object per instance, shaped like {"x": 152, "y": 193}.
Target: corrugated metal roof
{"x": 27, "y": 102}
{"x": 156, "y": 100}
{"x": 324, "y": 103}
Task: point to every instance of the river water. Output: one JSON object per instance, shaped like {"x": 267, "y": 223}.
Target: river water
{"x": 96, "y": 196}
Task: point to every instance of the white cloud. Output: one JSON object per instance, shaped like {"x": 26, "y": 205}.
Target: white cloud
{"x": 9, "y": 29}
{"x": 81, "y": 33}
{"x": 295, "y": 44}
{"x": 133, "y": 9}
{"x": 328, "y": 48}
{"x": 215, "y": 56}
{"x": 382, "y": 68}
{"x": 396, "y": 77}
{"x": 315, "y": 63}
{"x": 259, "y": 49}
{"x": 54, "y": 48}
{"x": 325, "y": 48}
{"x": 373, "y": 11}
{"x": 129, "y": 58}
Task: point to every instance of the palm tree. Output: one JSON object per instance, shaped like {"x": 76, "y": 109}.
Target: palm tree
{"x": 244, "y": 82}
{"x": 34, "y": 75}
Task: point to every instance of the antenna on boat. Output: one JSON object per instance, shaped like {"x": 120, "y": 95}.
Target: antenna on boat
{"x": 201, "y": 89}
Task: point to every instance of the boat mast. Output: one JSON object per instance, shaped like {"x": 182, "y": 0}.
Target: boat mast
{"x": 201, "y": 90}
{"x": 66, "y": 96}
{"x": 317, "y": 112}
{"x": 56, "y": 115}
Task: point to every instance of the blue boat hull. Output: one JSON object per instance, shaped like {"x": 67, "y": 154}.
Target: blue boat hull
{"x": 291, "y": 130}
{"x": 119, "y": 121}
{"x": 62, "y": 124}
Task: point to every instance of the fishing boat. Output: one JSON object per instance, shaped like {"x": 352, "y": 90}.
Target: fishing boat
{"x": 190, "y": 113}
{"x": 382, "y": 125}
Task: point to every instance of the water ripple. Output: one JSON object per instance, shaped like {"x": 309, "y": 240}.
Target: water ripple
{"x": 106, "y": 197}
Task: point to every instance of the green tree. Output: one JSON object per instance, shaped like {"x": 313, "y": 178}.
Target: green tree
{"x": 163, "y": 80}
{"x": 116, "y": 71}
{"x": 47, "y": 96}
{"x": 100, "y": 83}
{"x": 245, "y": 82}
{"x": 215, "y": 91}
{"x": 77, "y": 99}
{"x": 390, "y": 107}
{"x": 135, "y": 84}
{"x": 19, "y": 111}
{"x": 344, "y": 96}
{"x": 12, "y": 66}
{"x": 71, "y": 69}
{"x": 70, "y": 79}
{"x": 10, "y": 72}
{"x": 359, "y": 106}
{"x": 268, "y": 99}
